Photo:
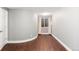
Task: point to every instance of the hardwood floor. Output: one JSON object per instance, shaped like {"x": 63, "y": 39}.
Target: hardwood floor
{"x": 42, "y": 43}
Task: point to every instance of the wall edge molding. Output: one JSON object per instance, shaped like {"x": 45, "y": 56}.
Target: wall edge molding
{"x": 22, "y": 41}
{"x": 61, "y": 42}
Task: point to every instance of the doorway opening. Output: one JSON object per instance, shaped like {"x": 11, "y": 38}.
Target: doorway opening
{"x": 45, "y": 25}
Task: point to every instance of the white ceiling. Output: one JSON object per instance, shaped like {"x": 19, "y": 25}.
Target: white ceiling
{"x": 37, "y": 9}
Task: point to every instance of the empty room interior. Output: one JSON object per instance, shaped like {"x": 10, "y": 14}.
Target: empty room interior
{"x": 39, "y": 28}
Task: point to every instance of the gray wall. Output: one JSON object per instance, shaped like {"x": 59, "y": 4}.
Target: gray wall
{"x": 66, "y": 27}
{"x": 22, "y": 25}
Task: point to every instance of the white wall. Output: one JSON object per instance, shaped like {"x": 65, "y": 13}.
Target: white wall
{"x": 22, "y": 24}
{"x": 66, "y": 26}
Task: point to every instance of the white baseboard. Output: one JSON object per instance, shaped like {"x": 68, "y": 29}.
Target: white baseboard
{"x": 22, "y": 41}
{"x": 61, "y": 42}
{"x": 3, "y": 45}
{"x": 43, "y": 33}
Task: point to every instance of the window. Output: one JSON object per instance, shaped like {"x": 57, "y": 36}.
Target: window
{"x": 44, "y": 22}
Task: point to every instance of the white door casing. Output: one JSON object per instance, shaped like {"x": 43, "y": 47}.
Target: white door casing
{"x": 3, "y": 27}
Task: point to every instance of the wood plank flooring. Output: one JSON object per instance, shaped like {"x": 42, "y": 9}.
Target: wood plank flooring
{"x": 42, "y": 43}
